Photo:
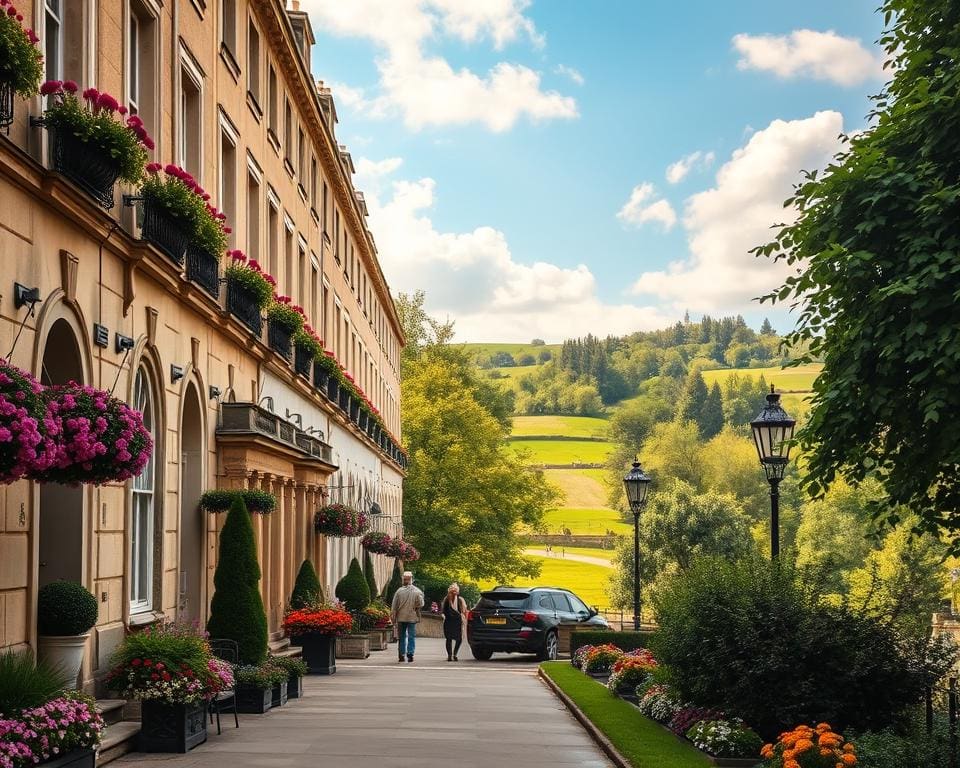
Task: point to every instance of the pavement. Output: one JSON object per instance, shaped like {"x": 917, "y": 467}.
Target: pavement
{"x": 573, "y": 557}
{"x": 429, "y": 714}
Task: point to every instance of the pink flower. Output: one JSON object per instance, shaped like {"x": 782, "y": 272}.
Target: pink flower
{"x": 122, "y": 109}
{"x": 11, "y": 11}
{"x": 228, "y": 230}
{"x": 50, "y": 87}
{"x": 107, "y": 102}
{"x": 154, "y": 167}
{"x": 148, "y": 143}
{"x": 91, "y": 94}
{"x": 69, "y": 86}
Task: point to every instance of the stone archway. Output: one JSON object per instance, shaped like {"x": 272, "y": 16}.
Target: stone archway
{"x": 190, "y": 602}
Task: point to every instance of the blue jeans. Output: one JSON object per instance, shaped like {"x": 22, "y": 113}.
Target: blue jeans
{"x": 407, "y": 638}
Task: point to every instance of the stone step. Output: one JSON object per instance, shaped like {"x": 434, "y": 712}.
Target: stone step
{"x": 294, "y": 651}
{"x": 118, "y": 739}
{"x": 278, "y": 645}
{"x": 111, "y": 710}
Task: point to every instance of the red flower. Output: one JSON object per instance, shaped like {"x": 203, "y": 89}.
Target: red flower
{"x": 106, "y": 101}
{"x": 50, "y": 87}
{"x": 70, "y": 87}
{"x": 91, "y": 94}
{"x": 136, "y": 662}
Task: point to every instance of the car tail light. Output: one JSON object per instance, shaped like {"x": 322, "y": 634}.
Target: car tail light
{"x": 529, "y": 617}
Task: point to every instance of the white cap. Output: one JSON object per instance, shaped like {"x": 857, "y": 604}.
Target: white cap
{"x": 408, "y": 574}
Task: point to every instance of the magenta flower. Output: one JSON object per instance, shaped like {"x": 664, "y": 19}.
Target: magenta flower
{"x": 51, "y": 87}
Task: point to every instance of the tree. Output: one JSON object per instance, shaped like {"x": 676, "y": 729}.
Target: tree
{"x": 875, "y": 250}
{"x": 537, "y": 343}
{"x": 502, "y": 360}
{"x": 693, "y": 399}
{"x": 673, "y": 451}
{"x": 236, "y": 610}
{"x": 729, "y": 465}
{"x": 711, "y": 415}
{"x": 306, "y": 588}
{"x": 369, "y": 575}
{"x": 396, "y": 581}
{"x": 767, "y": 329}
{"x": 352, "y": 589}
{"x": 526, "y": 359}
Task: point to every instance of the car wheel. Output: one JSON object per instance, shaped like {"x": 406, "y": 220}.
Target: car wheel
{"x": 480, "y": 653}
{"x": 551, "y": 648}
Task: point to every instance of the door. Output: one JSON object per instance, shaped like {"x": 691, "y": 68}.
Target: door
{"x": 190, "y": 603}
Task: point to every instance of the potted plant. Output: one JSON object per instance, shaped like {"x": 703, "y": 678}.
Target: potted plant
{"x": 170, "y": 669}
{"x": 306, "y": 348}
{"x": 255, "y": 683}
{"x": 94, "y": 142}
{"x": 30, "y": 447}
{"x": 21, "y": 63}
{"x": 255, "y": 500}
{"x": 206, "y": 248}
{"x": 249, "y": 290}
{"x": 403, "y": 550}
{"x": 295, "y": 668}
{"x": 285, "y": 320}
{"x": 375, "y": 621}
{"x": 317, "y": 627}
{"x": 100, "y": 438}
{"x": 377, "y": 542}
{"x": 354, "y": 592}
{"x": 339, "y": 520}
{"x": 65, "y": 613}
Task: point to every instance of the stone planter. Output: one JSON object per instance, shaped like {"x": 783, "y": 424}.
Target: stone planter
{"x": 169, "y": 234}
{"x": 279, "y": 338}
{"x": 78, "y": 758}
{"x": 319, "y": 653}
{"x": 65, "y": 654}
{"x": 254, "y": 701}
{"x": 353, "y": 646}
{"x": 295, "y": 687}
{"x": 302, "y": 360}
{"x": 171, "y": 727}
{"x": 203, "y": 269}
{"x": 280, "y": 694}
{"x": 87, "y": 167}
{"x": 242, "y": 304}
{"x": 378, "y": 640}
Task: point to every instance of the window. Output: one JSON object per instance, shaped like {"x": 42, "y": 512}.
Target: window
{"x": 301, "y": 284}
{"x": 142, "y": 521}
{"x": 324, "y": 314}
{"x": 53, "y": 39}
{"x": 315, "y": 316}
{"x": 228, "y": 178}
{"x": 324, "y": 213}
{"x": 301, "y": 154}
{"x": 288, "y": 131}
{"x": 228, "y": 20}
{"x": 313, "y": 183}
{"x": 336, "y": 234}
{"x": 289, "y": 281}
{"x": 253, "y": 214}
{"x": 190, "y": 109}
{"x": 272, "y": 96}
{"x": 67, "y": 54}
{"x": 273, "y": 233}
{"x": 253, "y": 62}
{"x": 142, "y": 65}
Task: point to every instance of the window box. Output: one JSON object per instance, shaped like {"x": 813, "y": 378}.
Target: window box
{"x": 77, "y": 758}
{"x": 319, "y": 653}
{"x": 254, "y": 701}
{"x": 279, "y": 694}
{"x": 6, "y": 105}
{"x": 172, "y": 727}
{"x": 168, "y": 233}
{"x": 333, "y": 389}
{"x": 242, "y": 304}
{"x": 321, "y": 377}
{"x": 204, "y": 269}
{"x": 344, "y": 400}
{"x": 85, "y": 166}
{"x": 280, "y": 339}
{"x": 354, "y": 410}
{"x": 362, "y": 421}
{"x": 302, "y": 360}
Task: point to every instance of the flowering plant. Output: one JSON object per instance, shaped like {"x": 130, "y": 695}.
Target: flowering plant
{"x": 293, "y": 666}
{"x": 26, "y": 431}
{"x": 21, "y": 63}
{"x": 377, "y": 614}
{"x": 100, "y": 122}
{"x": 806, "y": 747}
{"x": 254, "y": 499}
{"x": 263, "y": 676}
{"x": 601, "y": 658}
{"x": 324, "y": 620}
{"x": 340, "y": 520}
{"x": 688, "y": 716}
{"x": 400, "y": 549}
{"x": 100, "y": 438}
{"x": 377, "y": 542}
{"x": 283, "y": 312}
{"x": 659, "y": 703}
{"x": 725, "y": 738}
{"x": 222, "y": 677}
{"x": 38, "y": 734}
{"x": 579, "y": 657}
{"x": 178, "y": 193}
{"x": 306, "y": 338}
{"x": 630, "y": 671}
{"x": 249, "y": 275}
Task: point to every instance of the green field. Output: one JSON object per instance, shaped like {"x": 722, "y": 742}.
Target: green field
{"x": 581, "y": 488}
{"x": 511, "y": 375}
{"x": 595, "y": 522}
{"x": 562, "y": 451}
{"x": 513, "y": 349}
{"x": 584, "y": 579}
{"x": 799, "y": 379}
{"x": 565, "y": 426}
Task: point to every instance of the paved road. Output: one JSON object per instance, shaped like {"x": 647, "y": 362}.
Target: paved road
{"x": 430, "y": 714}
{"x": 570, "y": 556}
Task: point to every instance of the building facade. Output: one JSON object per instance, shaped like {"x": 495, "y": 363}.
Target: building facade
{"x": 225, "y": 89}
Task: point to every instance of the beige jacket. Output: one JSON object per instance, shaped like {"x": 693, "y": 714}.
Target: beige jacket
{"x": 407, "y": 602}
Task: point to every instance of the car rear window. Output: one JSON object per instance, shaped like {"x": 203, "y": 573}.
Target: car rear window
{"x": 502, "y": 600}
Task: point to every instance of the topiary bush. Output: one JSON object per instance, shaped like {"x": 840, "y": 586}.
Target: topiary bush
{"x": 307, "y": 590}
{"x": 352, "y": 589}
{"x": 369, "y": 575}
{"x": 750, "y": 638}
{"x": 236, "y": 610}
{"x": 65, "y": 608}
{"x": 396, "y": 581}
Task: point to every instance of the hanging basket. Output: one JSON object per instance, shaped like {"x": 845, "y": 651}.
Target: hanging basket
{"x": 255, "y": 500}
{"x": 85, "y": 166}
{"x": 203, "y": 269}
{"x": 242, "y": 304}
{"x": 168, "y": 233}
{"x": 6, "y": 105}
{"x": 339, "y": 520}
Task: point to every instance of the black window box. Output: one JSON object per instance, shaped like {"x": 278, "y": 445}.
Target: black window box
{"x": 171, "y": 727}
{"x": 320, "y": 378}
{"x": 279, "y": 694}
{"x": 333, "y": 389}
{"x": 6, "y": 105}
{"x": 344, "y": 401}
{"x": 85, "y": 166}
{"x": 280, "y": 339}
{"x": 203, "y": 268}
{"x": 254, "y": 701}
{"x": 168, "y": 234}
{"x": 302, "y": 360}
{"x": 242, "y": 305}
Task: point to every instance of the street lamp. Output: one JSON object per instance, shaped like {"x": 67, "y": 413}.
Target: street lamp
{"x": 772, "y": 433}
{"x": 636, "y": 484}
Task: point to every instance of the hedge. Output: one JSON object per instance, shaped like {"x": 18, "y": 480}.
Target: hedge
{"x": 626, "y": 641}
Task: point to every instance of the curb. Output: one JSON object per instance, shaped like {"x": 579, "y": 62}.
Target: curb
{"x": 595, "y": 733}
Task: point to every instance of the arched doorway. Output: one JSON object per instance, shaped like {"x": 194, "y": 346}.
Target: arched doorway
{"x": 61, "y": 506}
{"x": 192, "y": 523}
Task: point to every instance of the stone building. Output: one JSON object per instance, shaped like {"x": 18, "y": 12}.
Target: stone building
{"x": 226, "y": 90}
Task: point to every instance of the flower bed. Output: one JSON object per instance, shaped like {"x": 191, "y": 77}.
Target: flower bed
{"x": 806, "y": 747}
{"x": 21, "y": 63}
{"x": 630, "y": 672}
{"x": 60, "y": 726}
{"x": 601, "y": 658}
{"x": 340, "y": 520}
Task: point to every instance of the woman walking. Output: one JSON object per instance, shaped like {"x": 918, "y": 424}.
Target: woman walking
{"x": 454, "y": 610}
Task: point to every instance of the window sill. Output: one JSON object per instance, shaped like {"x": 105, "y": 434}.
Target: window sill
{"x": 230, "y": 61}
{"x": 254, "y": 107}
{"x": 314, "y": 214}
{"x": 273, "y": 140}
{"x": 200, "y": 6}
{"x": 144, "y": 618}
{"x": 288, "y": 166}
{"x": 302, "y": 191}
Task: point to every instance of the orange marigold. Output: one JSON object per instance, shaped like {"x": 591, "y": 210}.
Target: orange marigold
{"x": 849, "y": 759}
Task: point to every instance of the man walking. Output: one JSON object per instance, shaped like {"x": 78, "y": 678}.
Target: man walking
{"x": 405, "y": 613}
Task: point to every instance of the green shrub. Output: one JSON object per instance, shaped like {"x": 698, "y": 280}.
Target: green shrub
{"x": 396, "y": 581}
{"x": 65, "y": 608}
{"x": 21, "y": 63}
{"x": 625, "y": 641}
{"x": 293, "y": 666}
{"x": 236, "y": 610}
{"x": 352, "y": 589}
{"x": 749, "y": 638}
{"x": 435, "y": 585}
{"x": 369, "y": 575}
{"x": 892, "y": 749}
{"x": 24, "y": 684}
{"x": 263, "y": 676}
{"x": 220, "y": 500}
{"x": 306, "y": 589}
{"x": 174, "y": 645}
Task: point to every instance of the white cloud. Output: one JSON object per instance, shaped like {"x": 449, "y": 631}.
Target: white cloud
{"x": 677, "y": 172}
{"x": 725, "y": 222}
{"x": 808, "y": 53}
{"x": 574, "y": 74}
{"x": 473, "y": 277}
{"x": 426, "y": 90}
{"x": 642, "y": 208}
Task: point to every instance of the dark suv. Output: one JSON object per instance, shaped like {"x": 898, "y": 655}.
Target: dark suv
{"x": 525, "y": 620}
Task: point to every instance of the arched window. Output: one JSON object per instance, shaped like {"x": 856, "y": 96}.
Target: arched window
{"x": 142, "y": 518}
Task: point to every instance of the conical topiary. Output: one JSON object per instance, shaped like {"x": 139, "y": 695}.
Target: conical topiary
{"x": 306, "y": 589}
{"x": 352, "y": 589}
{"x": 396, "y": 581}
{"x": 236, "y": 611}
{"x": 369, "y": 574}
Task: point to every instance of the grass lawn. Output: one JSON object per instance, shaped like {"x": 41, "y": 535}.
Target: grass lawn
{"x": 565, "y": 426}
{"x": 586, "y": 580}
{"x": 641, "y": 741}
{"x": 799, "y": 379}
{"x": 585, "y": 521}
{"x": 513, "y": 349}
{"x": 510, "y": 375}
{"x": 603, "y": 554}
{"x": 562, "y": 451}
{"x": 581, "y": 488}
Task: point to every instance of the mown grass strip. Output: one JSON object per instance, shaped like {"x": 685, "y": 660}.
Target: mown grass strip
{"x": 641, "y": 741}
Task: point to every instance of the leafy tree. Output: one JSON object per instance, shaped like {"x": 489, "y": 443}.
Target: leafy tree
{"x": 694, "y": 398}
{"x": 876, "y": 251}
{"x": 236, "y": 610}
{"x": 537, "y": 343}
{"x": 369, "y": 575}
{"x": 396, "y": 581}
{"x": 502, "y": 360}
{"x": 544, "y": 356}
{"x": 306, "y": 588}
{"x": 352, "y": 589}
{"x": 711, "y": 415}
{"x": 673, "y": 451}
{"x": 729, "y": 464}
{"x": 526, "y": 359}
{"x": 767, "y": 329}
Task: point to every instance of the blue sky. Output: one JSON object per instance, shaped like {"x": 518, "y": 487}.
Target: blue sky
{"x": 515, "y": 154}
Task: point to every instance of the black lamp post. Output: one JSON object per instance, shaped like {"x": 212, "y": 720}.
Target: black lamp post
{"x": 636, "y": 484}
{"x": 772, "y": 433}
